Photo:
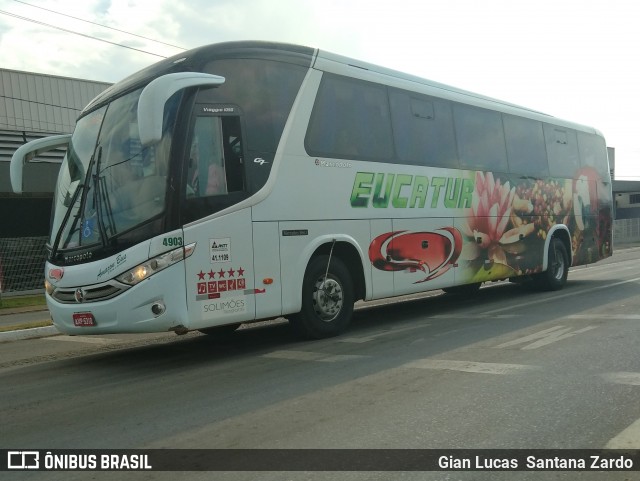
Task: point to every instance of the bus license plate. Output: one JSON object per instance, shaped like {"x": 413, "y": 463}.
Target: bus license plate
{"x": 82, "y": 319}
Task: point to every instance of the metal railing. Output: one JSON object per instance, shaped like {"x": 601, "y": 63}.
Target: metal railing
{"x": 22, "y": 262}
{"x": 626, "y": 231}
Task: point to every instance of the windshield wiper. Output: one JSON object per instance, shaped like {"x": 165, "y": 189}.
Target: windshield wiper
{"x": 65, "y": 219}
{"x": 105, "y": 198}
{"x": 100, "y": 198}
{"x": 74, "y": 198}
{"x": 82, "y": 187}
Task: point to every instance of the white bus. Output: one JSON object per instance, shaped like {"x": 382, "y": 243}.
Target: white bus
{"x": 245, "y": 181}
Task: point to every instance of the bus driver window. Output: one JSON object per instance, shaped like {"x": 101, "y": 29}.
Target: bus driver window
{"x": 206, "y": 175}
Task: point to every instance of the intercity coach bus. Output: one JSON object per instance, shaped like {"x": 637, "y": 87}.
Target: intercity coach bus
{"x": 249, "y": 180}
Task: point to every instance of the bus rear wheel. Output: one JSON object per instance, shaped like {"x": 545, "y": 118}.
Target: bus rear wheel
{"x": 555, "y": 277}
{"x": 327, "y": 299}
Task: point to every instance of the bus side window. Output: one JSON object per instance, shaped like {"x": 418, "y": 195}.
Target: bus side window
{"x": 593, "y": 153}
{"x": 480, "y": 138}
{"x": 215, "y": 160}
{"x": 423, "y": 130}
{"x": 232, "y": 144}
{"x": 562, "y": 150}
{"x": 526, "y": 150}
{"x": 350, "y": 120}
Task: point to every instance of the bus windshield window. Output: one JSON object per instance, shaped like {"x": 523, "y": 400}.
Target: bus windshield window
{"x": 74, "y": 169}
{"x": 123, "y": 184}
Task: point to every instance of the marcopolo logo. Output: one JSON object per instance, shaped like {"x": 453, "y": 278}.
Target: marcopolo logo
{"x": 23, "y": 460}
{"x": 338, "y": 164}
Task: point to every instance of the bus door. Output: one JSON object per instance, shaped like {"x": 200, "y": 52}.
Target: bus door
{"x": 219, "y": 274}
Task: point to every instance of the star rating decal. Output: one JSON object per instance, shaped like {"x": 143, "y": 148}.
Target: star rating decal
{"x": 221, "y": 282}
{"x": 239, "y": 272}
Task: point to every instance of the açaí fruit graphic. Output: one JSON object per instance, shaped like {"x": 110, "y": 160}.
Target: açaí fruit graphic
{"x": 430, "y": 252}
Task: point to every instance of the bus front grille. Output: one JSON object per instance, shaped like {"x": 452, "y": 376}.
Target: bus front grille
{"x": 79, "y": 295}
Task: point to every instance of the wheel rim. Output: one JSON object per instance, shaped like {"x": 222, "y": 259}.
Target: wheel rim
{"x": 328, "y": 298}
{"x": 558, "y": 265}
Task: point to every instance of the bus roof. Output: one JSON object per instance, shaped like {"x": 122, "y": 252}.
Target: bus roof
{"x": 195, "y": 60}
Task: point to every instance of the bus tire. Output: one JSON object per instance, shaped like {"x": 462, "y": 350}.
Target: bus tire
{"x": 555, "y": 277}
{"x": 327, "y": 305}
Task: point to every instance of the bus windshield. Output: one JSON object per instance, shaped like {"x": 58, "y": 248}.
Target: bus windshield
{"x": 108, "y": 183}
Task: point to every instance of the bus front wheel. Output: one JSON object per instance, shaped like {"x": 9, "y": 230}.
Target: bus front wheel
{"x": 327, "y": 299}
{"x": 555, "y": 277}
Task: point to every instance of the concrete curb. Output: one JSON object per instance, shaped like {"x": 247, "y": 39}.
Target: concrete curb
{"x": 33, "y": 333}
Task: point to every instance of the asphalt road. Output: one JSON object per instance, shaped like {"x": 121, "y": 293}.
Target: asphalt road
{"x": 511, "y": 368}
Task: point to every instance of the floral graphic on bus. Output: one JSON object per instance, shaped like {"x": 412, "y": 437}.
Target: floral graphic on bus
{"x": 489, "y": 216}
{"x": 433, "y": 253}
{"x": 506, "y": 222}
{"x": 503, "y": 220}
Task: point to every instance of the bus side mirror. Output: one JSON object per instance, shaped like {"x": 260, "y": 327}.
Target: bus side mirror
{"x": 155, "y": 95}
{"x": 28, "y": 152}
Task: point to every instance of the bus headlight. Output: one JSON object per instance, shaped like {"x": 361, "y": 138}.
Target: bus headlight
{"x": 49, "y": 287}
{"x": 145, "y": 270}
